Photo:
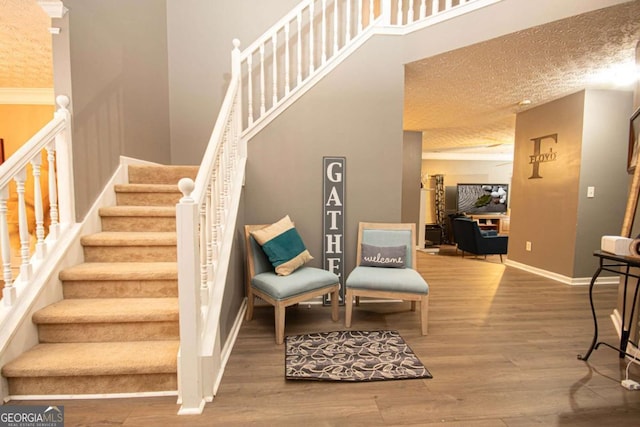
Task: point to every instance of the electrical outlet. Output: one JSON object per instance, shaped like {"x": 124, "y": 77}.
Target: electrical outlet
{"x": 591, "y": 192}
{"x": 528, "y": 246}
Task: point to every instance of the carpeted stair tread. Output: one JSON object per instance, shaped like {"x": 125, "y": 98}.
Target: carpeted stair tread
{"x": 160, "y": 174}
{"x": 147, "y": 188}
{"x": 130, "y": 238}
{"x": 110, "y": 358}
{"x": 101, "y": 310}
{"x": 142, "y": 211}
{"x": 121, "y": 271}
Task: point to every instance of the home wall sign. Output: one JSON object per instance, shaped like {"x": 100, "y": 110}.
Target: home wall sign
{"x": 539, "y": 157}
{"x": 333, "y": 219}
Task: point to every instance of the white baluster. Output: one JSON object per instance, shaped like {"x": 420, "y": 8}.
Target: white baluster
{"x": 299, "y": 79}
{"x": 311, "y": 39}
{"x": 386, "y": 12}
{"x": 9, "y": 291}
{"x": 204, "y": 293}
{"x": 410, "y": 18}
{"x": 287, "y": 59}
{"x": 399, "y": 13}
{"x": 23, "y": 227}
{"x": 262, "y": 90}
{"x": 448, "y": 4}
{"x": 423, "y": 9}
{"x": 37, "y": 202}
{"x": 324, "y": 32}
{"x": 209, "y": 231}
{"x": 214, "y": 222}
{"x": 219, "y": 194}
{"x": 435, "y": 7}
{"x": 274, "y": 41}
{"x": 54, "y": 226}
{"x": 335, "y": 27}
{"x": 347, "y": 22}
{"x": 250, "y": 88}
{"x": 359, "y": 16}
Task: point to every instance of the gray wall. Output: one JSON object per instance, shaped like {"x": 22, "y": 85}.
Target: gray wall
{"x": 603, "y": 166}
{"x": 355, "y": 112}
{"x": 117, "y": 60}
{"x": 199, "y": 34}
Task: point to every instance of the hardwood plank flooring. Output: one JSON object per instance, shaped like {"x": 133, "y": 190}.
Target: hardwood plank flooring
{"x": 502, "y": 348}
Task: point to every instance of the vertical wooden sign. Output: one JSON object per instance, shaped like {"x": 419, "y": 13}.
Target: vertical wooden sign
{"x": 333, "y": 169}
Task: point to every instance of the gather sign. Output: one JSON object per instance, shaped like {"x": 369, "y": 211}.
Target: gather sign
{"x": 333, "y": 219}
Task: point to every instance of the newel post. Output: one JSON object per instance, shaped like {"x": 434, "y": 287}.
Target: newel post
{"x": 189, "y": 364}
{"x": 235, "y": 58}
{"x": 64, "y": 165}
{"x": 236, "y": 72}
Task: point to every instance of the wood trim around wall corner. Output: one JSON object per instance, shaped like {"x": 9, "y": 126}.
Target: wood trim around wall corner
{"x": 27, "y": 96}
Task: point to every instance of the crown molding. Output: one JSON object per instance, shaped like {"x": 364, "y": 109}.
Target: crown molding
{"x": 506, "y": 157}
{"x": 53, "y": 8}
{"x": 27, "y": 96}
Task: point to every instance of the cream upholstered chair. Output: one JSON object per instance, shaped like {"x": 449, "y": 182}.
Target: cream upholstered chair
{"x": 282, "y": 291}
{"x": 385, "y": 268}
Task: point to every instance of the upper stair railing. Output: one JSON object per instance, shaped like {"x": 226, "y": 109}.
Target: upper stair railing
{"x": 311, "y": 40}
{"x": 31, "y": 229}
{"x": 266, "y": 77}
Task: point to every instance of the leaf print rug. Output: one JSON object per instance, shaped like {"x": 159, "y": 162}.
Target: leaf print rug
{"x": 351, "y": 356}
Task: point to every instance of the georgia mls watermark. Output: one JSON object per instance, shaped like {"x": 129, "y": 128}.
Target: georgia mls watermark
{"x": 31, "y": 416}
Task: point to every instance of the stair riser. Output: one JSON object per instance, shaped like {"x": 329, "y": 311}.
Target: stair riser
{"x": 120, "y": 289}
{"x": 138, "y": 224}
{"x": 108, "y": 332}
{"x": 130, "y": 253}
{"x": 99, "y": 384}
{"x": 147, "y": 199}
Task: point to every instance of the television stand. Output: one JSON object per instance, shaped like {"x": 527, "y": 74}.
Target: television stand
{"x": 495, "y": 222}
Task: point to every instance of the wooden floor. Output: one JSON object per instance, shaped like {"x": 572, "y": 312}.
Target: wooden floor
{"x": 502, "y": 349}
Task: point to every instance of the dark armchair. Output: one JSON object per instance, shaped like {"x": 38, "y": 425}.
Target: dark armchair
{"x": 471, "y": 239}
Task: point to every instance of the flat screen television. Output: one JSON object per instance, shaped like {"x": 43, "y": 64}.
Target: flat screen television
{"x": 482, "y": 198}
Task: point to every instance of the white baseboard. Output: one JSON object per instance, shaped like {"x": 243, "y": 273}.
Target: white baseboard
{"x": 574, "y": 281}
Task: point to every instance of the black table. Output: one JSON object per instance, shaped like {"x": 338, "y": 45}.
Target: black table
{"x": 619, "y": 265}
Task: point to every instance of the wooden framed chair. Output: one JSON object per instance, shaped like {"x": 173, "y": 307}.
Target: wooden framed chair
{"x": 303, "y": 284}
{"x": 376, "y": 280}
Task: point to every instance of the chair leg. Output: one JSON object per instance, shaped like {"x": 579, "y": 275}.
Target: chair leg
{"x": 279, "y": 310}
{"x": 249, "y": 314}
{"x": 348, "y": 308}
{"x": 335, "y": 305}
{"x": 413, "y": 306}
{"x": 424, "y": 313}
{"x": 500, "y": 257}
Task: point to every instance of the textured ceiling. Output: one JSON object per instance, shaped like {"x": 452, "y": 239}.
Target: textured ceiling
{"x": 469, "y": 97}
{"x": 464, "y": 100}
{"x": 25, "y": 45}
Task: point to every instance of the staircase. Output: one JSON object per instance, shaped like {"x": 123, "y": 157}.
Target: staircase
{"x": 116, "y": 330}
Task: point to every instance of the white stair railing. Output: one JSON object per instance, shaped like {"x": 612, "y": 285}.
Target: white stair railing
{"x": 266, "y": 77}
{"x": 52, "y": 143}
{"x": 315, "y": 36}
{"x": 205, "y": 218}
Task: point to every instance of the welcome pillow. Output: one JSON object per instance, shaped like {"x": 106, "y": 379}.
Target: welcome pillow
{"x": 283, "y": 246}
{"x": 382, "y": 256}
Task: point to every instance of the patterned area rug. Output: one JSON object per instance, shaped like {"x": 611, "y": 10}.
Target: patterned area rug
{"x": 351, "y": 356}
